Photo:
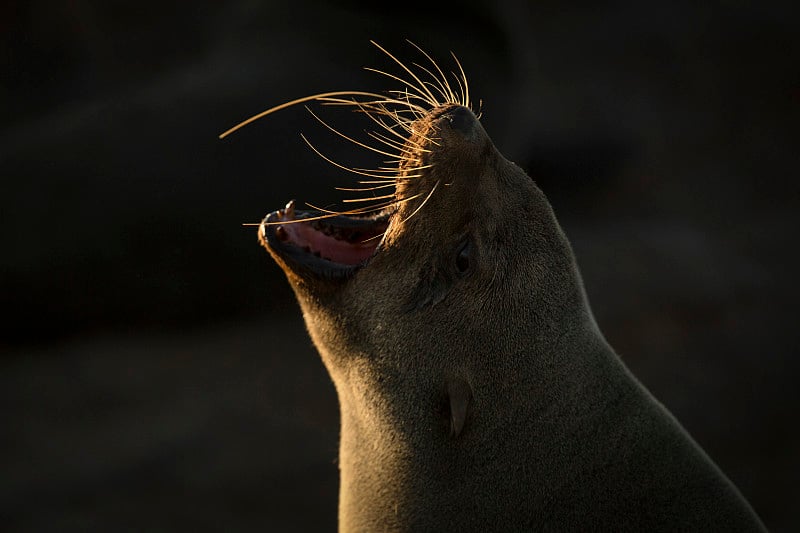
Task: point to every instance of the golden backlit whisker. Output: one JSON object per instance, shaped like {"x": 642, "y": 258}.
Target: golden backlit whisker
{"x": 440, "y": 87}
{"x": 394, "y": 176}
{"x": 391, "y": 181}
{"x": 442, "y": 78}
{"x": 378, "y": 236}
{"x": 388, "y": 142}
{"x": 379, "y": 170}
{"x": 420, "y": 92}
{"x": 295, "y": 102}
{"x": 379, "y": 99}
{"x": 328, "y": 214}
{"x": 342, "y": 135}
{"x": 355, "y": 200}
{"x": 365, "y": 189}
{"x": 401, "y": 147}
{"x": 404, "y": 200}
{"x": 467, "y": 102}
{"x": 357, "y": 211}
{"x": 433, "y": 100}
{"x": 360, "y": 172}
{"x": 407, "y": 96}
{"x": 460, "y": 86}
{"x": 412, "y": 108}
{"x": 394, "y": 168}
{"x": 382, "y": 110}
{"x": 425, "y": 201}
{"x": 389, "y": 127}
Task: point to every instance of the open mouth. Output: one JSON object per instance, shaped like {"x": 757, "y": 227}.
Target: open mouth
{"x": 330, "y": 248}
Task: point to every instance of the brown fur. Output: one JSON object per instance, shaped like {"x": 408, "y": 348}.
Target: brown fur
{"x": 490, "y": 400}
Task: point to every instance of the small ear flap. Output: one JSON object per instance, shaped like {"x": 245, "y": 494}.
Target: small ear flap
{"x": 460, "y": 395}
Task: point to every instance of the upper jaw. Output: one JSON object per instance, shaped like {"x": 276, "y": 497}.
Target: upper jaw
{"x": 329, "y": 249}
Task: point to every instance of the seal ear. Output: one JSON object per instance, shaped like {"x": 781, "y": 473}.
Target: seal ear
{"x": 460, "y": 395}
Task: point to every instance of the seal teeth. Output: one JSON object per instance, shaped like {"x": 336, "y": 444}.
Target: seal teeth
{"x": 289, "y": 210}
{"x": 281, "y": 233}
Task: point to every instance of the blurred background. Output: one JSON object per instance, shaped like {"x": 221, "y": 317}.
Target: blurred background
{"x": 155, "y": 371}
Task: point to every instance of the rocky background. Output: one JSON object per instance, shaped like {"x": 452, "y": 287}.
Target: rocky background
{"x": 155, "y": 370}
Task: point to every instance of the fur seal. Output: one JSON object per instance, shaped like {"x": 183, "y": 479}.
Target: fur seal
{"x": 476, "y": 391}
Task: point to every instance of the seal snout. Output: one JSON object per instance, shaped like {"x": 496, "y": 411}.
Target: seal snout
{"x": 460, "y": 119}
{"x": 457, "y": 117}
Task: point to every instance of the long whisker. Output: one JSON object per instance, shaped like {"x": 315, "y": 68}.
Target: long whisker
{"x": 407, "y": 96}
{"x": 360, "y": 172}
{"x": 441, "y": 78}
{"x": 311, "y": 98}
{"x": 433, "y": 100}
{"x": 436, "y": 84}
{"x": 342, "y": 135}
{"x": 328, "y": 214}
{"x": 389, "y": 127}
{"x": 388, "y": 142}
{"x": 357, "y": 211}
{"x": 412, "y": 108}
{"x": 422, "y": 93}
{"x": 425, "y": 201}
{"x": 364, "y": 189}
{"x": 355, "y": 200}
{"x": 467, "y": 101}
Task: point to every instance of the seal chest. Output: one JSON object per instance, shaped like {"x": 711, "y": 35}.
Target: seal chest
{"x": 476, "y": 391}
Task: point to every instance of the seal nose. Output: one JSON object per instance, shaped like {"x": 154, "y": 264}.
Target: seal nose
{"x": 461, "y": 119}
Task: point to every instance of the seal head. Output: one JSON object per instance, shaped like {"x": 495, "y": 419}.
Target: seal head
{"x": 476, "y": 391}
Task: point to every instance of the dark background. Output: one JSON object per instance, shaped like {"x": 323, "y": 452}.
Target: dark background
{"x": 155, "y": 370}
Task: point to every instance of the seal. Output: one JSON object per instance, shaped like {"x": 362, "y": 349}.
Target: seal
{"x": 475, "y": 388}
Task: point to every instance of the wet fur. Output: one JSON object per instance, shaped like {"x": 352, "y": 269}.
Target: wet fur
{"x": 491, "y": 401}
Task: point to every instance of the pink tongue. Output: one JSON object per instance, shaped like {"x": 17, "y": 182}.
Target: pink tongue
{"x": 342, "y": 252}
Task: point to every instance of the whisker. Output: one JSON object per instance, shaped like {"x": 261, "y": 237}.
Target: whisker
{"x": 355, "y": 200}
{"x": 441, "y": 78}
{"x": 311, "y": 98}
{"x": 425, "y": 201}
{"x": 360, "y": 172}
{"x": 358, "y": 143}
{"x": 422, "y": 92}
{"x": 328, "y": 214}
{"x": 407, "y": 96}
{"x": 460, "y": 87}
{"x": 389, "y": 128}
{"x": 467, "y": 101}
{"x": 364, "y": 189}
{"x": 425, "y": 91}
{"x": 384, "y": 181}
{"x": 388, "y": 142}
{"x": 414, "y": 109}
{"x": 436, "y": 84}
{"x": 357, "y": 211}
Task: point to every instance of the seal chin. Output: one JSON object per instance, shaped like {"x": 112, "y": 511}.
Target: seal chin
{"x": 313, "y": 245}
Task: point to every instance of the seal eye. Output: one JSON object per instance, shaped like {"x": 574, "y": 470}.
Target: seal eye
{"x": 463, "y": 257}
